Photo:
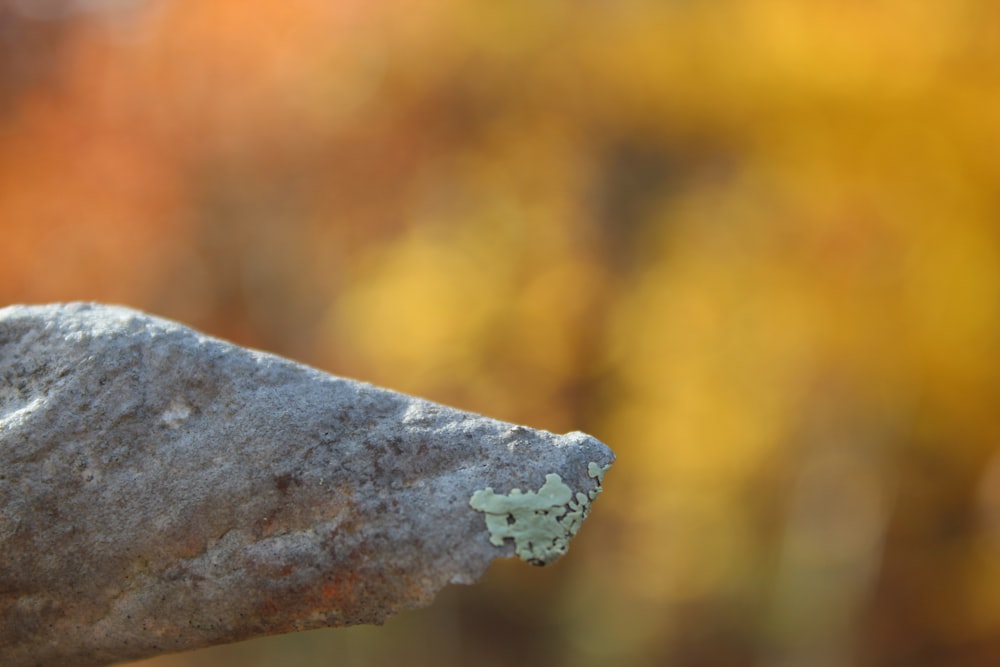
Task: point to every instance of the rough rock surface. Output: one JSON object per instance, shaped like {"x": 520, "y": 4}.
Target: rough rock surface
{"x": 162, "y": 490}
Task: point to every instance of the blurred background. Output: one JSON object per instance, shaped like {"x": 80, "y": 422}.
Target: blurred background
{"x": 754, "y": 245}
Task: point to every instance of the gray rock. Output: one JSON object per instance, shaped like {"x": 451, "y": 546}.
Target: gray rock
{"x": 162, "y": 490}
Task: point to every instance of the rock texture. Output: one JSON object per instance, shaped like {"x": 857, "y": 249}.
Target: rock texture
{"x": 161, "y": 490}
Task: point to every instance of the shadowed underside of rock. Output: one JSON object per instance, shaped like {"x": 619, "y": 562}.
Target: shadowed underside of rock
{"x": 161, "y": 490}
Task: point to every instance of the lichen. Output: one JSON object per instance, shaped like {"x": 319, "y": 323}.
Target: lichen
{"x": 541, "y": 522}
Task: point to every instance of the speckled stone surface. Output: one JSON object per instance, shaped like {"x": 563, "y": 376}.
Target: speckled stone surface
{"x": 162, "y": 490}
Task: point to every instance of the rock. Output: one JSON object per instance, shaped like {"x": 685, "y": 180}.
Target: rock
{"x": 162, "y": 490}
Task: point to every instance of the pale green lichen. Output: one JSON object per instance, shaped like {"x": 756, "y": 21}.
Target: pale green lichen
{"x": 597, "y": 472}
{"x": 541, "y": 522}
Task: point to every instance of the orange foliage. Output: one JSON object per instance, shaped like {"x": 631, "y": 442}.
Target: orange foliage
{"x": 752, "y": 244}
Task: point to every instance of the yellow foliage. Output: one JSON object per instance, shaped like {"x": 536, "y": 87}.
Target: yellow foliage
{"x": 752, "y": 244}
